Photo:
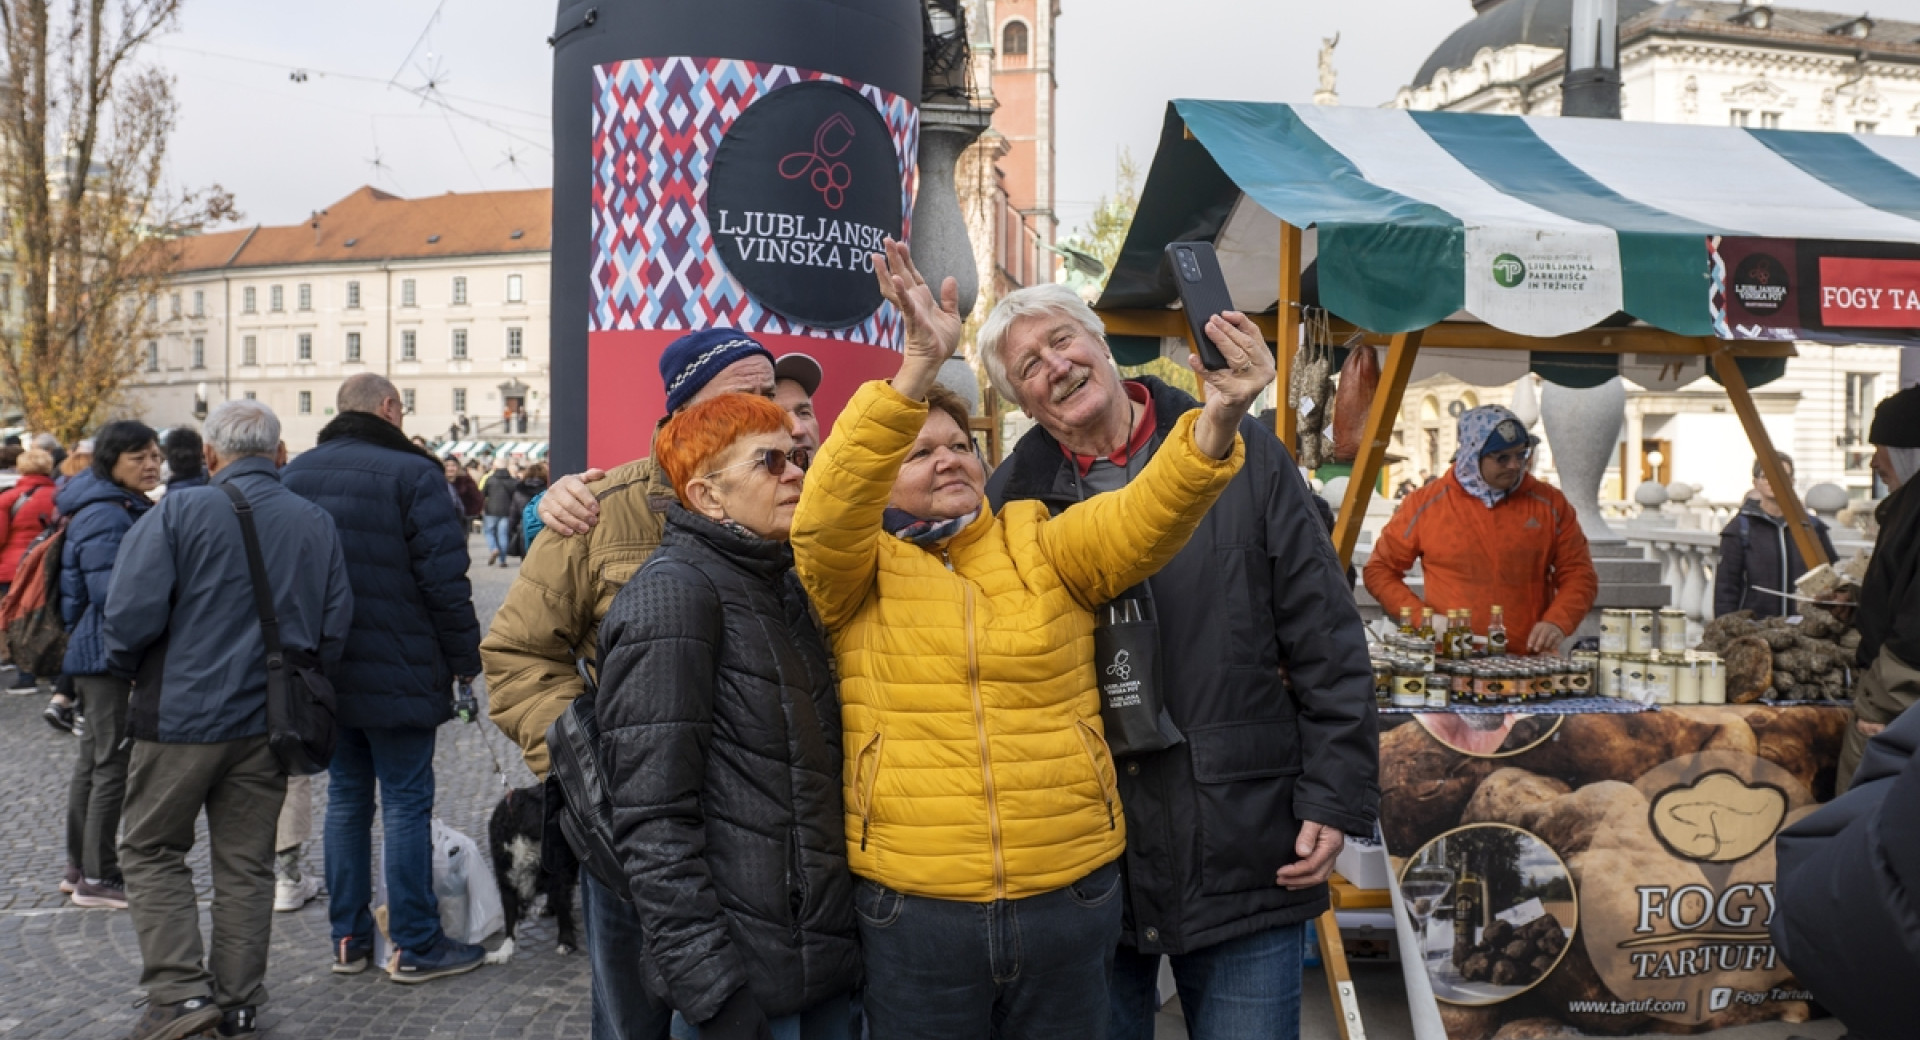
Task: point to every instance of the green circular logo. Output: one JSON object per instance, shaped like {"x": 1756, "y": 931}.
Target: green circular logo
{"x": 1509, "y": 271}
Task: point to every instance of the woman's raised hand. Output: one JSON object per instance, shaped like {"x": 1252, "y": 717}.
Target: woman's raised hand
{"x": 932, "y": 327}
{"x": 1231, "y": 390}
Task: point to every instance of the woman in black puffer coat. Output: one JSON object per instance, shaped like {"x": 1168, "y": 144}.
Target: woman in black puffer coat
{"x": 721, "y": 728}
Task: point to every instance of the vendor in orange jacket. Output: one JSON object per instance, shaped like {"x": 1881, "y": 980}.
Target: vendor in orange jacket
{"x": 1489, "y": 534}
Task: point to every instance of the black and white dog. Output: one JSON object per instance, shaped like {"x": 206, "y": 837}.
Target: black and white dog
{"x": 514, "y": 841}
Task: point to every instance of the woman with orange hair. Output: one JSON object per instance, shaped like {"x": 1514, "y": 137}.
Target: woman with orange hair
{"x": 721, "y": 730}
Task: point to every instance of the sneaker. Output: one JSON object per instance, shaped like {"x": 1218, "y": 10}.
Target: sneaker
{"x": 190, "y": 1017}
{"x": 445, "y": 957}
{"x": 71, "y": 881}
{"x": 109, "y": 894}
{"x": 240, "y": 1023}
{"x": 351, "y": 957}
{"x": 21, "y": 689}
{"x": 290, "y": 895}
{"x": 59, "y": 716}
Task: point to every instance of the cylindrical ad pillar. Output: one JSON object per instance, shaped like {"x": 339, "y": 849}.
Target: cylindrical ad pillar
{"x": 723, "y": 164}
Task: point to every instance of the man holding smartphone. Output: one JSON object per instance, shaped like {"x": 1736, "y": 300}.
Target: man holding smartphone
{"x": 1231, "y": 833}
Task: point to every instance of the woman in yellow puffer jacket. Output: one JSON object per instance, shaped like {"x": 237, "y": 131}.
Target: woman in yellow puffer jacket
{"x": 983, "y": 818}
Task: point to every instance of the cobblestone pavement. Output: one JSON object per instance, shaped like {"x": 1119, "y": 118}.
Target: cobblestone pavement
{"x": 72, "y": 973}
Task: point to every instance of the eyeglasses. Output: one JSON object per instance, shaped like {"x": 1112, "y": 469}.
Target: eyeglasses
{"x": 773, "y": 459}
{"x": 1510, "y": 458}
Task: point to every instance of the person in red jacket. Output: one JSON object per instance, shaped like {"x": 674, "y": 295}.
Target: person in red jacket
{"x": 26, "y": 509}
{"x": 1488, "y": 534}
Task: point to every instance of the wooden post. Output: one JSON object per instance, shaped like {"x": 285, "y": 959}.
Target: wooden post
{"x": 1796, "y": 513}
{"x": 1373, "y": 446}
{"x": 1286, "y": 336}
{"x": 1333, "y": 961}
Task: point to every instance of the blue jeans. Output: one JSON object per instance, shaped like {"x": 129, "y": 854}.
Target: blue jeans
{"x": 831, "y": 1019}
{"x": 401, "y": 762}
{"x": 622, "y": 1007}
{"x": 1015, "y": 969}
{"x": 496, "y": 528}
{"x": 1242, "y": 989}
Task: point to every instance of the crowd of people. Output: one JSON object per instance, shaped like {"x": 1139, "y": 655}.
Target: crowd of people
{"x": 857, "y": 779}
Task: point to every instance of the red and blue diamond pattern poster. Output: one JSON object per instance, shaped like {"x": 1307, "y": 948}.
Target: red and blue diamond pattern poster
{"x": 657, "y": 267}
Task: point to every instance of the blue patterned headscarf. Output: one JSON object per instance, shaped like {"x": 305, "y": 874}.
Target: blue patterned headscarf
{"x": 1476, "y": 429}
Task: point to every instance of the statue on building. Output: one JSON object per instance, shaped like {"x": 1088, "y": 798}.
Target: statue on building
{"x": 1327, "y": 94}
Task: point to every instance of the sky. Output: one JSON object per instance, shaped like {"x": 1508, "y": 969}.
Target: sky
{"x": 288, "y": 142}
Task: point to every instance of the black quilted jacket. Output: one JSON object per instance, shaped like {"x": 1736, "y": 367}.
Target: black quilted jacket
{"x": 720, "y": 725}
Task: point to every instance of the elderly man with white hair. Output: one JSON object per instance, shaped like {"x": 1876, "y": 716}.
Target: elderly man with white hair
{"x": 181, "y": 622}
{"x": 1232, "y": 831}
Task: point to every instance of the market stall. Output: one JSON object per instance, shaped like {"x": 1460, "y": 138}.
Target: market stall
{"x": 1603, "y": 864}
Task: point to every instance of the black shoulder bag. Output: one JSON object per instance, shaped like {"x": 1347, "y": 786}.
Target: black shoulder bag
{"x": 579, "y": 794}
{"x": 300, "y": 705}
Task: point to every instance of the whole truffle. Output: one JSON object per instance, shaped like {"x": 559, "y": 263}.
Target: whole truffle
{"x": 1479, "y": 968}
{"x": 1519, "y": 951}
{"x": 1505, "y": 973}
{"x": 1498, "y": 934}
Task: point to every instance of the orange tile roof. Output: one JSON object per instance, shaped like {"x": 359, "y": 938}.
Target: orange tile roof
{"x": 372, "y": 225}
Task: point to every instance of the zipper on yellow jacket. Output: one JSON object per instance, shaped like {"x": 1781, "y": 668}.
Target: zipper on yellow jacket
{"x": 986, "y": 755}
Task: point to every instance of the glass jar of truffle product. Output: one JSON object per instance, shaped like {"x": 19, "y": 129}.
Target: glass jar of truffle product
{"x": 1460, "y": 683}
{"x": 1713, "y": 679}
{"x": 1611, "y": 673}
{"x": 1409, "y": 683}
{"x": 1641, "y": 636}
{"x": 1489, "y": 687}
{"x": 1581, "y": 672}
{"x": 1673, "y": 630}
{"x": 1613, "y": 631}
{"x": 1686, "y": 681}
{"x": 1382, "y": 682}
{"x": 1659, "y": 679}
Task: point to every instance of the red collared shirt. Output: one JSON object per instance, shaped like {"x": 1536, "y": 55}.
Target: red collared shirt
{"x": 1136, "y": 443}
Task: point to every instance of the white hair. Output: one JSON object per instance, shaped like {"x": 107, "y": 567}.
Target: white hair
{"x": 242, "y": 427}
{"x": 1047, "y": 300}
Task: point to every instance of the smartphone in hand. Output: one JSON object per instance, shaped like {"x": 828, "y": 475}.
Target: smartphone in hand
{"x": 1203, "y": 294}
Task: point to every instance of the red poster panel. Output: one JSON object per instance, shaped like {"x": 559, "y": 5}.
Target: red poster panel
{"x": 1879, "y": 294}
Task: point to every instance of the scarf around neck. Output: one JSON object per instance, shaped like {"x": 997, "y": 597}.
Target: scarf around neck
{"x": 923, "y": 533}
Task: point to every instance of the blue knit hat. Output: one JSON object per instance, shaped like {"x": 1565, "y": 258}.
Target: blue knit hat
{"x": 692, "y": 361}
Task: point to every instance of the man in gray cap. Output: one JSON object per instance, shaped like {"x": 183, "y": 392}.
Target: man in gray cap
{"x": 1889, "y": 613}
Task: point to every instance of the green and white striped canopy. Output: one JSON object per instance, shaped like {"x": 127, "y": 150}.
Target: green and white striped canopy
{"x": 1540, "y": 226}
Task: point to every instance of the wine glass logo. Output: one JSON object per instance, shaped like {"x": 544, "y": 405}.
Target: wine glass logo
{"x": 828, "y": 176}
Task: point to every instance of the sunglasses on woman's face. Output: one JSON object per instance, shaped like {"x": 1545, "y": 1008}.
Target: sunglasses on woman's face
{"x": 773, "y": 460}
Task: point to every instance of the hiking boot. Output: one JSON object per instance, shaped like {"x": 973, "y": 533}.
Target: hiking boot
{"x": 290, "y": 894}
{"x": 445, "y": 957}
{"x": 71, "y": 881}
{"x": 59, "y": 716}
{"x": 190, "y": 1017}
{"x": 107, "y": 893}
{"x": 351, "y": 956}
{"x": 240, "y": 1023}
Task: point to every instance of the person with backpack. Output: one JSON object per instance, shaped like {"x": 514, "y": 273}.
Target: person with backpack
{"x": 28, "y": 509}
{"x": 100, "y": 505}
{"x": 200, "y": 712}
{"x": 1757, "y": 553}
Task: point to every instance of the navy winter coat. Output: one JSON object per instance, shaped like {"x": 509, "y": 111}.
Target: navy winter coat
{"x": 406, "y": 551}
{"x": 102, "y": 512}
{"x": 181, "y": 614}
{"x": 1848, "y": 890}
{"x": 1757, "y": 552}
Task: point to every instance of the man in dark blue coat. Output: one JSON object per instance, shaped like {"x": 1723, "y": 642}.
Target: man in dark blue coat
{"x": 413, "y": 634}
{"x": 197, "y": 658}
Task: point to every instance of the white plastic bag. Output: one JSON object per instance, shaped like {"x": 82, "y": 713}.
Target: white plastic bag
{"x": 470, "y": 908}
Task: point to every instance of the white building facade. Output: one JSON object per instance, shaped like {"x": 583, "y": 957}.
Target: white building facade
{"x": 1713, "y": 64}
{"x": 447, "y": 297}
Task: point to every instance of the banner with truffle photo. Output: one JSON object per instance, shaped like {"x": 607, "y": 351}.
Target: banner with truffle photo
{"x": 1609, "y": 873}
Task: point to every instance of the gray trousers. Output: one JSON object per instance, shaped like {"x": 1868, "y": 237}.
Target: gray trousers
{"x": 240, "y": 785}
{"x": 99, "y": 785}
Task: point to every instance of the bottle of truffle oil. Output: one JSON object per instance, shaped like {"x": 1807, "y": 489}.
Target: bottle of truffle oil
{"x": 1497, "y": 633}
{"x": 1469, "y": 911}
{"x": 1406, "y": 621}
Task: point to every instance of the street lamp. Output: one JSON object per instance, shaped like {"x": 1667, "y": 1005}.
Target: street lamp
{"x": 200, "y": 401}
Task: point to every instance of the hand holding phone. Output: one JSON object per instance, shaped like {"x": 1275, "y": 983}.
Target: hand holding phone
{"x": 1203, "y": 294}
